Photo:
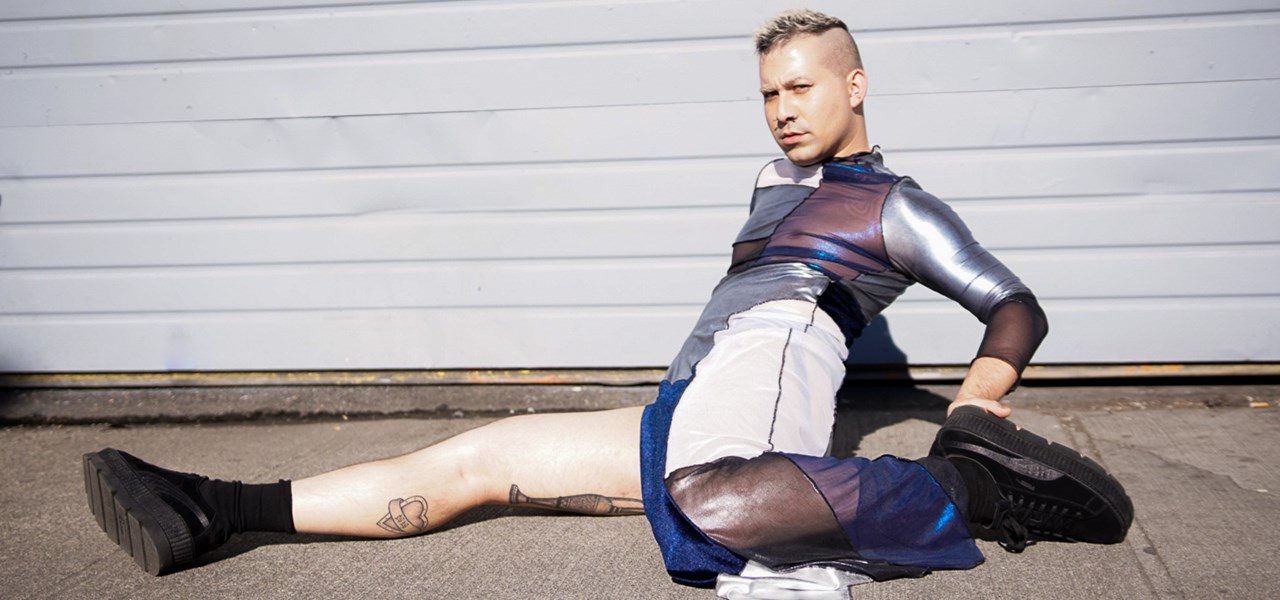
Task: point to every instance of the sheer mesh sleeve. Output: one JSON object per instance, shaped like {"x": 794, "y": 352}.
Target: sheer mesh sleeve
{"x": 1014, "y": 331}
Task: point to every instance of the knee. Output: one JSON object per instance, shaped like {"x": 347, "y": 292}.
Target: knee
{"x": 458, "y": 463}
{"x": 765, "y": 509}
{"x": 726, "y": 498}
{"x": 697, "y": 489}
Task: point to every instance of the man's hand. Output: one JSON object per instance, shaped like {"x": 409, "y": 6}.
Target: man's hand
{"x": 987, "y": 381}
{"x": 994, "y": 407}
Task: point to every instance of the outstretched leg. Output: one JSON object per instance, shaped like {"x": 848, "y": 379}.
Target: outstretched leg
{"x": 579, "y": 462}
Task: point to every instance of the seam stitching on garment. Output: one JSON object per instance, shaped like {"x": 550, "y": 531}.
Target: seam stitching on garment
{"x": 884, "y": 238}
{"x": 782, "y": 367}
{"x": 779, "y": 223}
{"x": 836, "y": 517}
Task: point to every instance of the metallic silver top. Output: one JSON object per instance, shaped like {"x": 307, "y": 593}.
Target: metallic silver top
{"x": 919, "y": 235}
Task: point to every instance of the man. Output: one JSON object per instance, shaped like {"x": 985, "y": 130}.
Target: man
{"x": 731, "y": 464}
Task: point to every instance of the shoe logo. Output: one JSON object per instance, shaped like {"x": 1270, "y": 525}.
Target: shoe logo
{"x": 1025, "y": 467}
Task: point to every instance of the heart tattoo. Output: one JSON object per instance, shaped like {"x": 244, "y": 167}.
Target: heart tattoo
{"x": 405, "y": 517}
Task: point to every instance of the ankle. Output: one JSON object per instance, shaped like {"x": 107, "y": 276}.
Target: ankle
{"x": 267, "y": 507}
{"x": 250, "y": 507}
{"x": 983, "y": 495}
{"x": 950, "y": 480}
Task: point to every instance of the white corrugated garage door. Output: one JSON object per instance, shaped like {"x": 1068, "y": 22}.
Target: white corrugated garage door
{"x": 306, "y": 184}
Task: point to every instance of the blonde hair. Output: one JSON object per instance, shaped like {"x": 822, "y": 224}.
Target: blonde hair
{"x": 788, "y": 24}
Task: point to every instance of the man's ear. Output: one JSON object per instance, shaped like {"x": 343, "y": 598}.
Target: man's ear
{"x": 857, "y": 85}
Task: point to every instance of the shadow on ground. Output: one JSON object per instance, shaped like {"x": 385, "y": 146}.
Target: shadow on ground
{"x": 250, "y": 541}
{"x": 862, "y": 410}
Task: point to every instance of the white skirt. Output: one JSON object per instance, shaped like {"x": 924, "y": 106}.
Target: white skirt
{"x": 768, "y": 385}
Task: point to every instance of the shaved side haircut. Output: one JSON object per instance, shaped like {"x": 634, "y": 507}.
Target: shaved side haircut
{"x": 788, "y": 24}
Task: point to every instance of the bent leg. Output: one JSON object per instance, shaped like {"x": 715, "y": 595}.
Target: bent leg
{"x": 733, "y": 465}
{"x": 580, "y": 462}
{"x": 885, "y": 518}
{"x": 768, "y": 384}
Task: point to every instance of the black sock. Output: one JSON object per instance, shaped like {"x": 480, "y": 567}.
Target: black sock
{"x": 951, "y": 481}
{"x": 983, "y": 496}
{"x": 251, "y": 507}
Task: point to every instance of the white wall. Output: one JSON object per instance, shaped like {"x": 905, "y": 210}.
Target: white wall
{"x": 314, "y": 184}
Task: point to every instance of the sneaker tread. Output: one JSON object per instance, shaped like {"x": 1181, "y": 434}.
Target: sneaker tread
{"x": 133, "y": 517}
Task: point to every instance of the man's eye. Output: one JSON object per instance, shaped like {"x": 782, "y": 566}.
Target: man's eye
{"x": 803, "y": 87}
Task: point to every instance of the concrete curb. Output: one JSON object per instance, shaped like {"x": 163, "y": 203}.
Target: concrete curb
{"x": 296, "y": 403}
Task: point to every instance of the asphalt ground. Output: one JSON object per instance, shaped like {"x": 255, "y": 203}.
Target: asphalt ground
{"x": 1198, "y": 460}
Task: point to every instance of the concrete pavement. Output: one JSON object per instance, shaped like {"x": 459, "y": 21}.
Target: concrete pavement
{"x": 1200, "y": 463}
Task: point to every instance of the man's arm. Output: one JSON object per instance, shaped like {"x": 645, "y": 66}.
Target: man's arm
{"x": 1015, "y": 328}
{"x": 987, "y": 381}
{"x": 929, "y": 242}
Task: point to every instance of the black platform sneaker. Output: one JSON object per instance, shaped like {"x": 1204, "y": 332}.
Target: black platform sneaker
{"x": 1024, "y": 488}
{"x": 156, "y": 515}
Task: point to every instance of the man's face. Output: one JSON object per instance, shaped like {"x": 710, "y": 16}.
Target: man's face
{"x": 808, "y": 105}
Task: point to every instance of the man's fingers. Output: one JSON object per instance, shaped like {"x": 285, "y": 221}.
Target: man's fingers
{"x": 992, "y": 406}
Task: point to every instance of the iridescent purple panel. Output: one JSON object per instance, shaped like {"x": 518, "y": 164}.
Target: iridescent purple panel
{"x": 892, "y": 510}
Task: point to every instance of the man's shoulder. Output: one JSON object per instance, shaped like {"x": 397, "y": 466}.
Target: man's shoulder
{"x": 906, "y": 191}
{"x": 908, "y": 207}
{"x": 784, "y": 172}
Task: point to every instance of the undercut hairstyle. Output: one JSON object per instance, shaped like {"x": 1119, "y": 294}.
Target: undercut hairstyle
{"x": 788, "y": 24}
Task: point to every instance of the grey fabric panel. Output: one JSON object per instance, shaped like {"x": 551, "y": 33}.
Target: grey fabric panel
{"x": 738, "y": 293}
{"x": 768, "y": 207}
{"x": 875, "y": 291}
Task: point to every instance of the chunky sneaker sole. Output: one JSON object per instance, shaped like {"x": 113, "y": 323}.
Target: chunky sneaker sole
{"x": 133, "y": 516}
{"x": 1052, "y": 491}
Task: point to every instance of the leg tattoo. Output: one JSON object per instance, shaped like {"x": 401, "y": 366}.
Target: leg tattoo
{"x": 587, "y": 504}
{"x": 405, "y": 517}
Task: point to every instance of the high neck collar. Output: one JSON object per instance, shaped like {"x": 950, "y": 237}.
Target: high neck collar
{"x": 869, "y": 156}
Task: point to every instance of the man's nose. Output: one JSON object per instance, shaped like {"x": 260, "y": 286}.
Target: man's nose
{"x": 786, "y": 110}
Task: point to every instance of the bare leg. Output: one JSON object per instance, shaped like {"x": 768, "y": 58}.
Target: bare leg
{"x": 582, "y": 462}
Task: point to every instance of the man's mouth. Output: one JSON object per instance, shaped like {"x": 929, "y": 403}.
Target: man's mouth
{"x": 790, "y": 138}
